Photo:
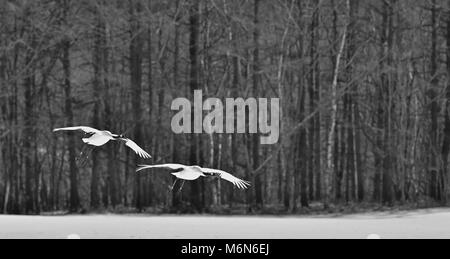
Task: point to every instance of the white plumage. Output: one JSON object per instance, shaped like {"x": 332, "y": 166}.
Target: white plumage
{"x": 99, "y": 138}
{"x": 192, "y": 173}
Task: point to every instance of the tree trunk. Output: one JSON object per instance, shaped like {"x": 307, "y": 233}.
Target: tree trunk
{"x": 302, "y": 154}
{"x": 256, "y": 88}
{"x": 74, "y": 200}
{"x": 74, "y": 196}
{"x": 136, "y": 88}
{"x": 194, "y": 36}
{"x": 314, "y": 97}
{"x": 387, "y": 90}
{"x": 97, "y": 90}
{"x": 353, "y": 154}
{"x": 28, "y": 144}
{"x": 446, "y": 143}
{"x": 234, "y": 94}
{"x": 433, "y": 168}
{"x": 4, "y": 117}
{"x": 334, "y": 110}
{"x": 150, "y": 97}
{"x": 176, "y": 140}
{"x": 318, "y": 118}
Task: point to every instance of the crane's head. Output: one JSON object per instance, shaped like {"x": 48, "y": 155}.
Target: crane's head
{"x": 119, "y": 136}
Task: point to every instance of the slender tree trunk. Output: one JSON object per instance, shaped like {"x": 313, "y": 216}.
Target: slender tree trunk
{"x": 176, "y": 140}
{"x": 29, "y": 134}
{"x": 14, "y": 118}
{"x": 302, "y": 154}
{"x": 314, "y": 96}
{"x": 433, "y": 167}
{"x": 387, "y": 85}
{"x": 318, "y": 118}
{"x": 4, "y": 117}
{"x": 74, "y": 196}
{"x": 358, "y": 154}
{"x": 446, "y": 143}
{"x": 256, "y": 88}
{"x": 97, "y": 85}
{"x": 28, "y": 143}
{"x": 194, "y": 36}
{"x": 234, "y": 94}
{"x": 74, "y": 200}
{"x": 334, "y": 110}
{"x": 353, "y": 155}
{"x": 112, "y": 153}
{"x": 136, "y": 85}
{"x": 150, "y": 96}
{"x": 356, "y": 132}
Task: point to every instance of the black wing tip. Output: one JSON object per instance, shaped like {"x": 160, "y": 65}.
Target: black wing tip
{"x": 243, "y": 185}
{"x": 143, "y": 154}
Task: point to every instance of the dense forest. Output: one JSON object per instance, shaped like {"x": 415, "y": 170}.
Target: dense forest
{"x": 364, "y": 87}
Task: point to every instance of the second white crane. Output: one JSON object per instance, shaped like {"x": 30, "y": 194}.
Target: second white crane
{"x": 192, "y": 173}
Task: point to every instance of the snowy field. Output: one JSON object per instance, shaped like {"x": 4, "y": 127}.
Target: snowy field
{"x": 418, "y": 224}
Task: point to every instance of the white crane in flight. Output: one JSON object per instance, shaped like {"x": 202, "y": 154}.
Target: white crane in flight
{"x": 98, "y": 138}
{"x": 192, "y": 173}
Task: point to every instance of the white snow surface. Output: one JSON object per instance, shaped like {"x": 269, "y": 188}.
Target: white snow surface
{"x": 396, "y": 225}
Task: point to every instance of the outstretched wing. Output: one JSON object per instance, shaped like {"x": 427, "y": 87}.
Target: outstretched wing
{"x": 164, "y": 166}
{"x": 138, "y": 150}
{"x": 88, "y": 130}
{"x": 241, "y": 184}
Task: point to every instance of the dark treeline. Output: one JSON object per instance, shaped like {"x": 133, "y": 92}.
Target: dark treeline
{"x": 364, "y": 87}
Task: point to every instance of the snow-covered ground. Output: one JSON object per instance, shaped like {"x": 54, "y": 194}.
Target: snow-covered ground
{"x": 418, "y": 224}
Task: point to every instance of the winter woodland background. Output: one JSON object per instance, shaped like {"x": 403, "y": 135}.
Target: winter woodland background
{"x": 364, "y": 86}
